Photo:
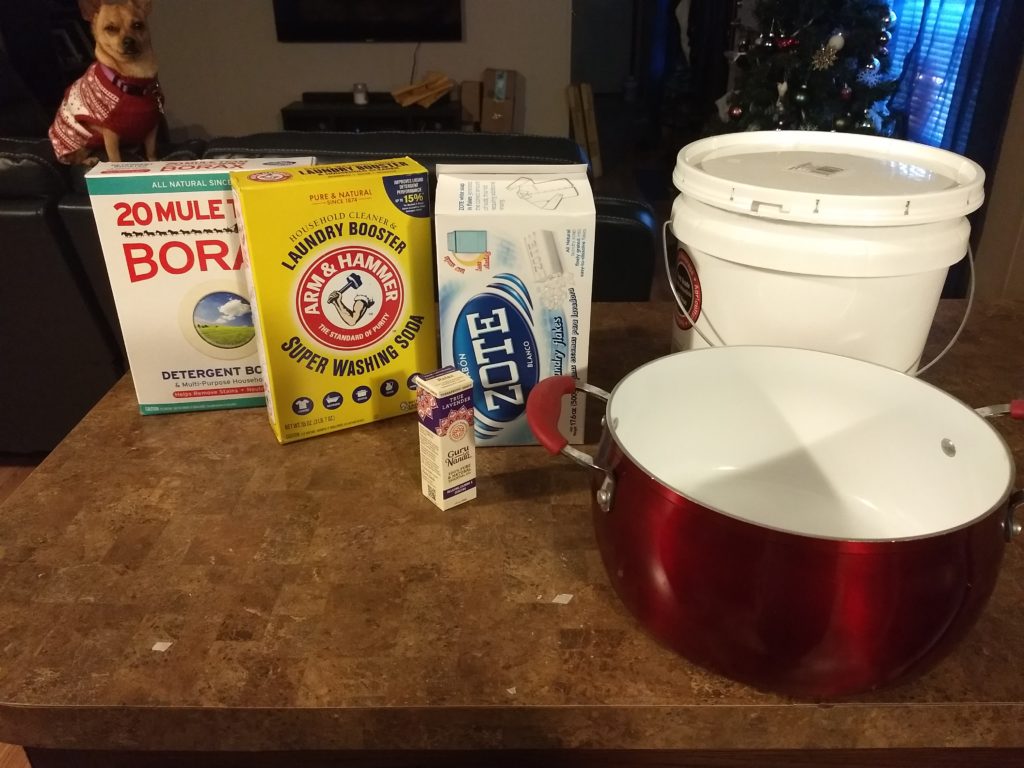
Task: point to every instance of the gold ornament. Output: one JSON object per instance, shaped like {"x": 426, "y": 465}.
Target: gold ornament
{"x": 823, "y": 58}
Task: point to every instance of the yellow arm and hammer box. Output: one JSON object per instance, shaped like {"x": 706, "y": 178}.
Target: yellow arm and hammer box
{"x": 340, "y": 268}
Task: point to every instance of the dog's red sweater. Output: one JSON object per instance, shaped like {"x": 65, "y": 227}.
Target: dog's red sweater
{"x": 129, "y": 106}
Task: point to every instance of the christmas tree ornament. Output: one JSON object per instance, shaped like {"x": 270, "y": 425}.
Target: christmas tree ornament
{"x": 829, "y": 62}
{"x": 869, "y": 77}
{"x": 823, "y": 58}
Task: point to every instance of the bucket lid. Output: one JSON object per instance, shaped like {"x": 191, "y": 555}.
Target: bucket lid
{"x": 829, "y": 178}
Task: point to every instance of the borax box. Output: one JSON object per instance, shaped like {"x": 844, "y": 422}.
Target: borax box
{"x": 170, "y": 237}
{"x": 341, "y": 269}
{"x": 515, "y": 260}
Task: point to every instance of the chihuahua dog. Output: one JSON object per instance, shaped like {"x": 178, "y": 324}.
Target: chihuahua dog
{"x": 118, "y": 99}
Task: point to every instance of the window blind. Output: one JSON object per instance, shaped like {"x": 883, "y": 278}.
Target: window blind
{"x": 929, "y": 39}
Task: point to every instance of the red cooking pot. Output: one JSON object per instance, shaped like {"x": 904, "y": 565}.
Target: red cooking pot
{"x": 806, "y": 523}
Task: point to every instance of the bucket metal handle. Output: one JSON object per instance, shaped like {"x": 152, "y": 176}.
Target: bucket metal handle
{"x": 693, "y": 323}
{"x": 543, "y": 412}
{"x": 675, "y": 291}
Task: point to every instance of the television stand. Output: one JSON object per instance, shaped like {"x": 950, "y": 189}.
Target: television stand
{"x": 336, "y": 111}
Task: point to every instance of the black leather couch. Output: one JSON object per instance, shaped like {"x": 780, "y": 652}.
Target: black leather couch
{"x": 59, "y": 352}
{"x": 59, "y": 333}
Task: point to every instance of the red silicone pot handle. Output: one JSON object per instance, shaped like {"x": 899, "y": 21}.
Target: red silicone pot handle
{"x": 1017, "y": 409}
{"x": 544, "y": 409}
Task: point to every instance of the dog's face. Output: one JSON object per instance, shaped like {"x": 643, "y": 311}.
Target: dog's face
{"x": 121, "y": 30}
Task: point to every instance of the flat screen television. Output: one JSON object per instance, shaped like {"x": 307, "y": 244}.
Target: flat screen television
{"x": 379, "y": 21}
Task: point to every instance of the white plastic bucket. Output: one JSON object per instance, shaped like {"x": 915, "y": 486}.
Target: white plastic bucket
{"x": 834, "y": 242}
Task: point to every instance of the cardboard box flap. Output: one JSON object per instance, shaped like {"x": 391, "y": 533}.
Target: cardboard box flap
{"x": 453, "y": 169}
{"x": 516, "y": 189}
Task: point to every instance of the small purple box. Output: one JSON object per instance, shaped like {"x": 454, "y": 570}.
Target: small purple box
{"x": 444, "y": 403}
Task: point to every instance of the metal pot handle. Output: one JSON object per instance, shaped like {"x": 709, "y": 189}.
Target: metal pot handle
{"x": 1014, "y": 409}
{"x": 544, "y": 411}
{"x": 1014, "y": 527}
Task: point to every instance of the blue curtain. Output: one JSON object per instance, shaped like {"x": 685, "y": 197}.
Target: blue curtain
{"x": 958, "y": 60}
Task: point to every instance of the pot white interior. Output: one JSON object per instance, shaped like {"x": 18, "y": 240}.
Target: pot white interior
{"x": 810, "y": 443}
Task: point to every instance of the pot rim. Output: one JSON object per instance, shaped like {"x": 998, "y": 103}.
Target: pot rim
{"x": 672, "y": 493}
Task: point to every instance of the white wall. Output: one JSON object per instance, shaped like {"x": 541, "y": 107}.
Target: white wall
{"x": 224, "y": 73}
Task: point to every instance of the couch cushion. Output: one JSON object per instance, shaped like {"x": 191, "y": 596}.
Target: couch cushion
{"x": 28, "y": 169}
{"x": 59, "y": 354}
{"x": 426, "y": 147}
{"x": 626, "y": 237}
{"x": 627, "y": 245}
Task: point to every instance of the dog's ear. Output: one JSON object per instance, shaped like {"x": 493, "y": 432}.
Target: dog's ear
{"x": 144, "y": 6}
{"x": 89, "y": 8}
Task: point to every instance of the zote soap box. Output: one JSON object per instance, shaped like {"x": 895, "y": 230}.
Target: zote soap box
{"x": 515, "y": 258}
{"x": 170, "y": 237}
{"x": 341, "y": 269}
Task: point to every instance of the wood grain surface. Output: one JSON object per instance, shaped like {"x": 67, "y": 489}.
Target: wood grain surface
{"x": 314, "y": 600}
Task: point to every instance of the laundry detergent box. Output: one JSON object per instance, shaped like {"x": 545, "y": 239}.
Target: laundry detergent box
{"x": 515, "y": 257}
{"x": 170, "y": 237}
{"x": 340, "y": 262}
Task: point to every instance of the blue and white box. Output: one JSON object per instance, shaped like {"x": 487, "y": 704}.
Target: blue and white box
{"x": 515, "y": 253}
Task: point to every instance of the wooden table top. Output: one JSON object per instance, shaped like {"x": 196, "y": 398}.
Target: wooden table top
{"x": 313, "y": 599}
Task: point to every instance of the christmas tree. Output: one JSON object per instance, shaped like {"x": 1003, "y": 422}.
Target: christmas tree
{"x": 817, "y": 65}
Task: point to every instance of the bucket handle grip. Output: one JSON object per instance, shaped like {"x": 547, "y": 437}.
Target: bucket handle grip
{"x": 693, "y": 324}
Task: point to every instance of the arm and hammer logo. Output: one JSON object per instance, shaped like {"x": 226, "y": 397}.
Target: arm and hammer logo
{"x": 270, "y": 176}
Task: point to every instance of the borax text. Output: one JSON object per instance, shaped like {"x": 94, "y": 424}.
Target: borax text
{"x": 177, "y": 256}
